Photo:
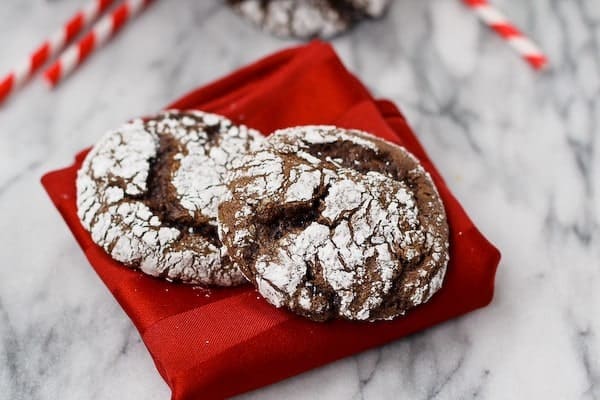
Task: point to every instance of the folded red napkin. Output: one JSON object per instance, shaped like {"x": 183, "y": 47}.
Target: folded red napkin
{"x": 213, "y": 343}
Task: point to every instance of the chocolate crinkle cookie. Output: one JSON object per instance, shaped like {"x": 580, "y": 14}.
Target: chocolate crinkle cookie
{"x": 148, "y": 193}
{"x": 333, "y": 223}
{"x": 308, "y": 18}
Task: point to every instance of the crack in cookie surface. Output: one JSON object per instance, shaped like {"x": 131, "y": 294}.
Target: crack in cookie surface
{"x": 148, "y": 193}
{"x": 364, "y": 152}
{"x": 371, "y": 240}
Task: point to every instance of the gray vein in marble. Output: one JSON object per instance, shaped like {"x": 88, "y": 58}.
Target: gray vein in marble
{"x": 4, "y": 186}
{"x": 518, "y": 148}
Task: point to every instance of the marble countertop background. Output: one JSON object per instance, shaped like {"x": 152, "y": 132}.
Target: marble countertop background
{"x": 520, "y": 149}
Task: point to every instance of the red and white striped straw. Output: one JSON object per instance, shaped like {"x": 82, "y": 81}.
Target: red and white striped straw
{"x": 51, "y": 46}
{"x": 509, "y": 32}
{"x": 108, "y": 26}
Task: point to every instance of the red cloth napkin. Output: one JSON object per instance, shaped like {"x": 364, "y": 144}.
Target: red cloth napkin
{"x": 212, "y": 343}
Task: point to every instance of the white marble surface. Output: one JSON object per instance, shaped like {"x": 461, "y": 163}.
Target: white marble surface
{"x": 520, "y": 150}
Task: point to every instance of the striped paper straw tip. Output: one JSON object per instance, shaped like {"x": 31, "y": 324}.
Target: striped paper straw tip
{"x": 52, "y": 45}
{"x": 100, "y": 33}
{"x": 509, "y": 32}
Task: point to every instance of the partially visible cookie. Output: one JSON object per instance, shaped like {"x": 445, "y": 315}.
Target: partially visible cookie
{"x": 334, "y": 223}
{"x": 308, "y": 18}
{"x": 148, "y": 193}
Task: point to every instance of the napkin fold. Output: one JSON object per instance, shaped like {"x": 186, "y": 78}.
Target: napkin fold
{"x": 218, "y": 342}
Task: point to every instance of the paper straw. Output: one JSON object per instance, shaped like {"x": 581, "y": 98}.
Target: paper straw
{"x": 51, "y": 46}
{"x": 509, "y": 32}
{"x": 106, "y": 27}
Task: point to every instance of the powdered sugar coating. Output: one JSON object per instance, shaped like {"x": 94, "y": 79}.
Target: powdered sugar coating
{"x": 119, "y": 204}
{"x": 363, "y": 248}
{"x": 308, "y": 18}
{"x": 422, "y": 285}
{"x": 204, "y": 161}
